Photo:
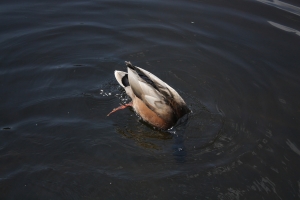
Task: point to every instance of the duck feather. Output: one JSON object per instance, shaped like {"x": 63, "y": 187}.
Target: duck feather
{"x": 157, "y": 95}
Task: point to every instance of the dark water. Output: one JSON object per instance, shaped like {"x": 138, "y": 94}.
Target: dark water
{"x": 236, "y": 64}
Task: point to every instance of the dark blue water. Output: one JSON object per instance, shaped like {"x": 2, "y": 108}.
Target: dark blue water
{"x": 236, "y": 64}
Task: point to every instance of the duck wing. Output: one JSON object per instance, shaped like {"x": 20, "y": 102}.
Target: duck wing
{"x": 171, "y": 97}
{"x": 164, "y": 88}
{"x": 144, "y": 90}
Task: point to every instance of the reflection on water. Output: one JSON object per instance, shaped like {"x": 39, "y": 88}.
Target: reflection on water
{"x": 282, "y": 5}
{"x": 285, "y": 28}
{"x": 293, "y": 147}
{"x": 235, "y": 65}
{"x": 143, "y": 137}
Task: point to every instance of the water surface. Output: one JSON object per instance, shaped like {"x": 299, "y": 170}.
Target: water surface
{"x": 235, "y": 63}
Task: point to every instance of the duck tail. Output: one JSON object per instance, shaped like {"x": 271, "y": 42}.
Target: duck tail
{"x": 128, "y": 64}
{"x": 141, "y": 74}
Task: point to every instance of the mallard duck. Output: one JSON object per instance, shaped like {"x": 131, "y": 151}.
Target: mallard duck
{"x": 153, "y": 100}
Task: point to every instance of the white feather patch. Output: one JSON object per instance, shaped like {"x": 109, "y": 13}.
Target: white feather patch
{"x": 119, "y": 75}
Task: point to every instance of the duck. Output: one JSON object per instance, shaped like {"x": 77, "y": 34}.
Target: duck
{"x": 157, "y": 103}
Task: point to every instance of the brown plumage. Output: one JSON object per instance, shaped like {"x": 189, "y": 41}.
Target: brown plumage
{"x": 154, "y": 100}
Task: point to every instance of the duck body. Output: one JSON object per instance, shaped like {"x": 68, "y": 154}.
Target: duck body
{"x": 153, "y": 100}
